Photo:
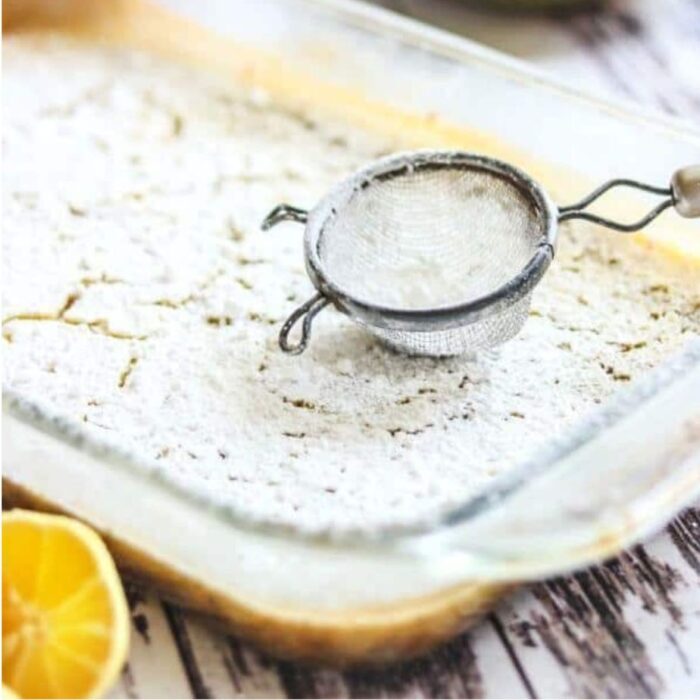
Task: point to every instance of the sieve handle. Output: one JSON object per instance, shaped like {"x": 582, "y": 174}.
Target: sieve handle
{"x": 308, "y": 311}
{"x": 685, "y": 186}
{"x": 683, "y": 193}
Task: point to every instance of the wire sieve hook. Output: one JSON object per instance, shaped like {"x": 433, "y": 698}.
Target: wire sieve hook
{"x": 308, "y": 310}
{"x": 284, "y": 212}
{"x": 683, "y": 194}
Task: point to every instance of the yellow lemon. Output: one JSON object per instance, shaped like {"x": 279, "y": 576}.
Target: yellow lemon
{"x": 65, "y": 621}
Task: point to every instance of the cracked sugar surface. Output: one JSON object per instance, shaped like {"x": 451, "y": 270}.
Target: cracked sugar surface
{"x": 142, "y": 302}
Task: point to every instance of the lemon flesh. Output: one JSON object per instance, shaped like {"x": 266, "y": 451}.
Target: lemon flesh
{"x": 65, "y": 622}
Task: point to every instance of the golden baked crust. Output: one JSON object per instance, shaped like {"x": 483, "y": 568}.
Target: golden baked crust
{"x": 377, "y": 635}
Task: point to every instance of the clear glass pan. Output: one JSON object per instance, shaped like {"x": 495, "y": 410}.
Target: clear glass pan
{"x": 619, "y": 476}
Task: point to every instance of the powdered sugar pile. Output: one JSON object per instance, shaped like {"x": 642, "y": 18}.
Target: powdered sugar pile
{"x": 142, "y": 300}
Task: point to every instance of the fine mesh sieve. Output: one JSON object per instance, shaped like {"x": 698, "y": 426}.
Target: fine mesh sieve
{"x": 437, "y": 252}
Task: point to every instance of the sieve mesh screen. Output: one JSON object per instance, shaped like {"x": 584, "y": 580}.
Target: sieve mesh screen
{"x": 472, "y": 337}
{"x": 430, "y": 236}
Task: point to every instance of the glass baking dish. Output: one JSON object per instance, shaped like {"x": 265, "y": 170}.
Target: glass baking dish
{"x": 619, "y": 475}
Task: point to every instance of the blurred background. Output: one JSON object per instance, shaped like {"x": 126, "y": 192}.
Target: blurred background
{"x": 644, "y": 51}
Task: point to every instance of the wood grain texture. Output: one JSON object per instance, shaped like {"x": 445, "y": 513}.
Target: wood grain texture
{"x": 642, "y": 51}
{"x": 627, "y": 628}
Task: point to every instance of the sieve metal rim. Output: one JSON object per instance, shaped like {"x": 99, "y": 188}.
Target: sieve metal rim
{"x": 441, "y": 317}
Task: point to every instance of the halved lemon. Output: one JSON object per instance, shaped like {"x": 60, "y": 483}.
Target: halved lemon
{"x": 65, "y": 621}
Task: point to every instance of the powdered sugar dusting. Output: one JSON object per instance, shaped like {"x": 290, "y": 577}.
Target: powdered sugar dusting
{"x": 142, "y": 300}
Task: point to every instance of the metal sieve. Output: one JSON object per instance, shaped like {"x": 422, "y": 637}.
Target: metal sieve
{"x": 438, "y": 252}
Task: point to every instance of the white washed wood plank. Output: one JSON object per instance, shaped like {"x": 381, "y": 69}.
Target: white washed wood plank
{"x": 228, "y": 669}
{"x": 451, "y": 671}
{"x": 302, "y": 682}
{"x": 257, "y": 675}
{"x": 209, "y": 649}
{"x": 502, "y": 675}
{"x": 154, "y": 669}
{"x": 644, "y": 51}
{"x": 675, "y": 638}
{"x": 643, "y": 55}
{"x": 627, "y": 628}
{"x": 537, "y": 663}
{"x": 123, "y": 688}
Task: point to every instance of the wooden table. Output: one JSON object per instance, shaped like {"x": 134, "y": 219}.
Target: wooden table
{"x": 628, "y": 628}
